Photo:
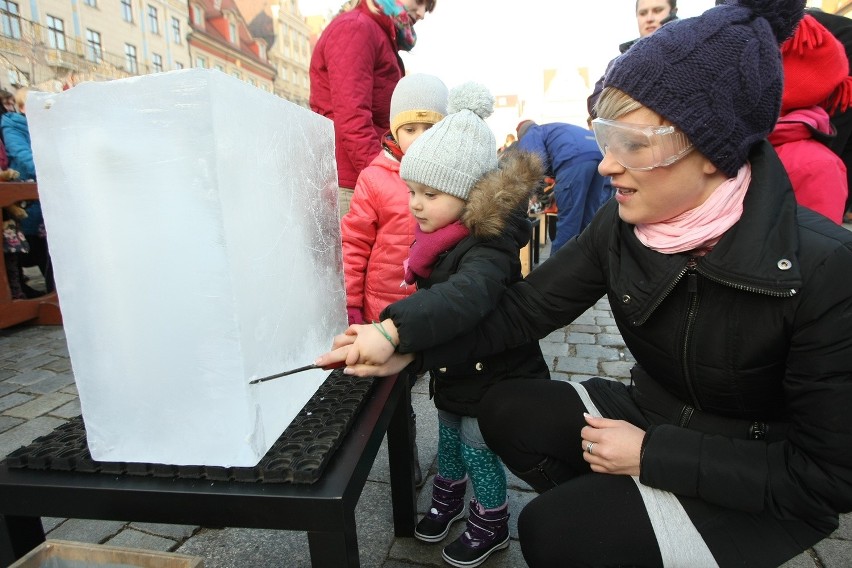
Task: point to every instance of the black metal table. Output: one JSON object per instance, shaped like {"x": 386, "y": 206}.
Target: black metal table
{"x": 324, "y": 509}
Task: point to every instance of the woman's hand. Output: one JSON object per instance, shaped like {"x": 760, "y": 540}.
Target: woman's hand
{"x": 616, "y": 445}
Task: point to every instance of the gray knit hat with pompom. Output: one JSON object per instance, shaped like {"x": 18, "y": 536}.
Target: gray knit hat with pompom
{"x": 717, "y": 77}
{"x": 455, "y": 153}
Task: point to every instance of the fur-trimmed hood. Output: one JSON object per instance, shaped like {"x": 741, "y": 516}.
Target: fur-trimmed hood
{"x": 501, "y": 193}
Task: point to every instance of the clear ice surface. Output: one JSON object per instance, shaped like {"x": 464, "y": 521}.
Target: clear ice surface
{"x": 193, "y": 228}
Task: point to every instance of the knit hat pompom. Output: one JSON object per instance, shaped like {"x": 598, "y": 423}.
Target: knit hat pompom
{"x": 717, "y": 77}
{"x": 473, "y": 97}
{"x": 455, "y": 153}
{"x": 782, "y": 16}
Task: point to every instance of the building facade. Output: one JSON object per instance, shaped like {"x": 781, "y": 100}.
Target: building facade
{"x": 220, "y": 39}
{"x": 51, "y": 44}
{"x": 287, "y": 34}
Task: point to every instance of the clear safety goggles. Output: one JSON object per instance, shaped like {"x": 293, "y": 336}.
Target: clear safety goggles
{"x": 639, "y": 146}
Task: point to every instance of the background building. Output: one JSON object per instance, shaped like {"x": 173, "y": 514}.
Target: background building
{"x": 220, "y": 39}
{"x": 54, "y": 43}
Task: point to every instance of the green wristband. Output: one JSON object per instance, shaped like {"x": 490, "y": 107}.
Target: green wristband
{"x": 378, "y": 325}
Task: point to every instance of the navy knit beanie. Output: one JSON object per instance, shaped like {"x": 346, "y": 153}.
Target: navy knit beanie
{"x": 717, "y": 77}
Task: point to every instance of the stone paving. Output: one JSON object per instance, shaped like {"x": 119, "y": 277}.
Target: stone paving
{"x": 37, "y": 394}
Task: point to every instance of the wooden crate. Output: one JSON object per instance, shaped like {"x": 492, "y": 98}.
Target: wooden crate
{"x": 67, "y": 554}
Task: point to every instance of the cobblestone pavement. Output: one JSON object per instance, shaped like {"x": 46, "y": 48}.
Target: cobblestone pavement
{"x": 37, "y": 394}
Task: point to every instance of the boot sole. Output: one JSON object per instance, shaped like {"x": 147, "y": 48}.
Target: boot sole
{"x": 476, "y": 561}
{"x": 443, "y": 535}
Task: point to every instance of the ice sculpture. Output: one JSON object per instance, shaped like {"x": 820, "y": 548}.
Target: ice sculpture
{"x": 192, "y": 222}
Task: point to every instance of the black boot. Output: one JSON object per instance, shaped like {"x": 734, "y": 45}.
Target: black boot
{"x": 546, "y": 475}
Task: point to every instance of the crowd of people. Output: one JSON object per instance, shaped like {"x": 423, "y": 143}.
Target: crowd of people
{"x": 704, "y": 200}
{"x": 24, "y": 235}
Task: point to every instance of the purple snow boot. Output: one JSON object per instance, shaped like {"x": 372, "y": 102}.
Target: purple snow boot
{"x": 487, "y": 531}
{"x": 447, "y": 507}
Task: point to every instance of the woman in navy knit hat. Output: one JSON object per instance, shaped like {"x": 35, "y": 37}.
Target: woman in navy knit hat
{"x": 732, "y": 445}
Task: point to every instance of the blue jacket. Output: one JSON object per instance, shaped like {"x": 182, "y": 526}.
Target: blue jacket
{"x": 570, "y": 155}
{"x": 16, "y": 134}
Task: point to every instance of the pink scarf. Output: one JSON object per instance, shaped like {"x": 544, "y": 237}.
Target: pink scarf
{"x": 428, "y": 247}
{"x": 702, "y": 227}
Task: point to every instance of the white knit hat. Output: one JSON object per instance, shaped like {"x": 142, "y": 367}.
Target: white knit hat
{"x": 455, "y": 153}
{"x": 417, "y": 98}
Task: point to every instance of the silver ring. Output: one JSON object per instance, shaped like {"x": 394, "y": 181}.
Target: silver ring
{"x": 589, "y": 448}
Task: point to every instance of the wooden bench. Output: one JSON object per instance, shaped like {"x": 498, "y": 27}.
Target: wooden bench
{"x": 43, "y": 310}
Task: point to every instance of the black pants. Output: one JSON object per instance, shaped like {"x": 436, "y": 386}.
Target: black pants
{"x": 596, "y": 519}
{"x": 593, "y": 519}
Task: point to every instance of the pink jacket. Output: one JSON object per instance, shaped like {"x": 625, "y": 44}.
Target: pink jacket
{"x": 377, "y": 233}
{"x": 354, "y": 70}
{"x": 818, "y": 175}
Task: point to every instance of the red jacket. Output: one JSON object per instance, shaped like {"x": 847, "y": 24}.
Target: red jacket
{"x": 818, "y": 176}
{"x": 377, "y": 233}
{"x": 354, "y": 70}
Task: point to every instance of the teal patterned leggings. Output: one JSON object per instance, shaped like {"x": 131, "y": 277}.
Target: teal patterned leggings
{"x": 461, "y": 450}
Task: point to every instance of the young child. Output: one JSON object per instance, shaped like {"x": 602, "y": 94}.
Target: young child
{"x": 471, "y": 224}
{"x": 378, "y": 229}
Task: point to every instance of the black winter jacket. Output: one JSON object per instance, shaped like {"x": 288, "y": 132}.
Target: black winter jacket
{"x": 468, "y": 281}
{"x": 759, "y": 329}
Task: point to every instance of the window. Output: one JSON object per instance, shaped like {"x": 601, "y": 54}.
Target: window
{"x": 178, "y": 65}
{"x": 197, "y": 15}
{"x": 234, "y": 37}
{"x": 219, "y": 67}
{"x": 157, "y": 63}
{"x": 176, "y": 31}
{"x": 261, "y": 51}
{"x": 55, "y": 33}
{"x": 10, "y": 19}
{"x": 93, "y": 3}
{"x": 153, "y": 21}
{"x": 201, "y": 62}
{"x": 127, "y": 10}
{"x": 130, "y": 61}
{"x": 94, "y": 51}
{"x": 236, "y": 74}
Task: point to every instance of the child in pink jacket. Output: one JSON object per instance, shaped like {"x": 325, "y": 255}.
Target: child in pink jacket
{"x": 379, "y": 229}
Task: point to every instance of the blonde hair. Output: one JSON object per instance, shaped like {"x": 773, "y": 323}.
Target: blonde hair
{"x": 615, "y": 103}
{"x": 21, "y": 97}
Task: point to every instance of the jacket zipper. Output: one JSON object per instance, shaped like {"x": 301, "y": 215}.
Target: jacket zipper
{"x": 691, "y": 313}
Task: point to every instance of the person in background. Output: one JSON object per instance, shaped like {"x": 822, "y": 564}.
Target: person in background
{"x": 16, "y": 136}
{"x": 379, "y": 229}
{"x": 650, "y": 15}
{"x": 571, "y": 156}
{"x": 731, "y": 445}
{"x": 816, "y": 80}
{"x": 841, "y": 28}
{"x": 353, "y": 71}
{"x": 510, "y": 140}
{"x": 471, "y": 225}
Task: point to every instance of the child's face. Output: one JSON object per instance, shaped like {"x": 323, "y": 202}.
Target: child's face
{"x": 431, "y": 208}
{"x": 408, "y": 133}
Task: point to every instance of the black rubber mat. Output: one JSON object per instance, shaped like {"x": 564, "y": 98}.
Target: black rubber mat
{"x": 298, "y": 456}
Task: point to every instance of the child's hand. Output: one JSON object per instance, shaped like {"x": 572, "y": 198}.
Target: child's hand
{"x": 394, "y": 365}
{"x": 372, "y": 345}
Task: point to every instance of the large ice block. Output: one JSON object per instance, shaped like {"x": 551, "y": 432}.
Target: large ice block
{"x": 192, "y": 222}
